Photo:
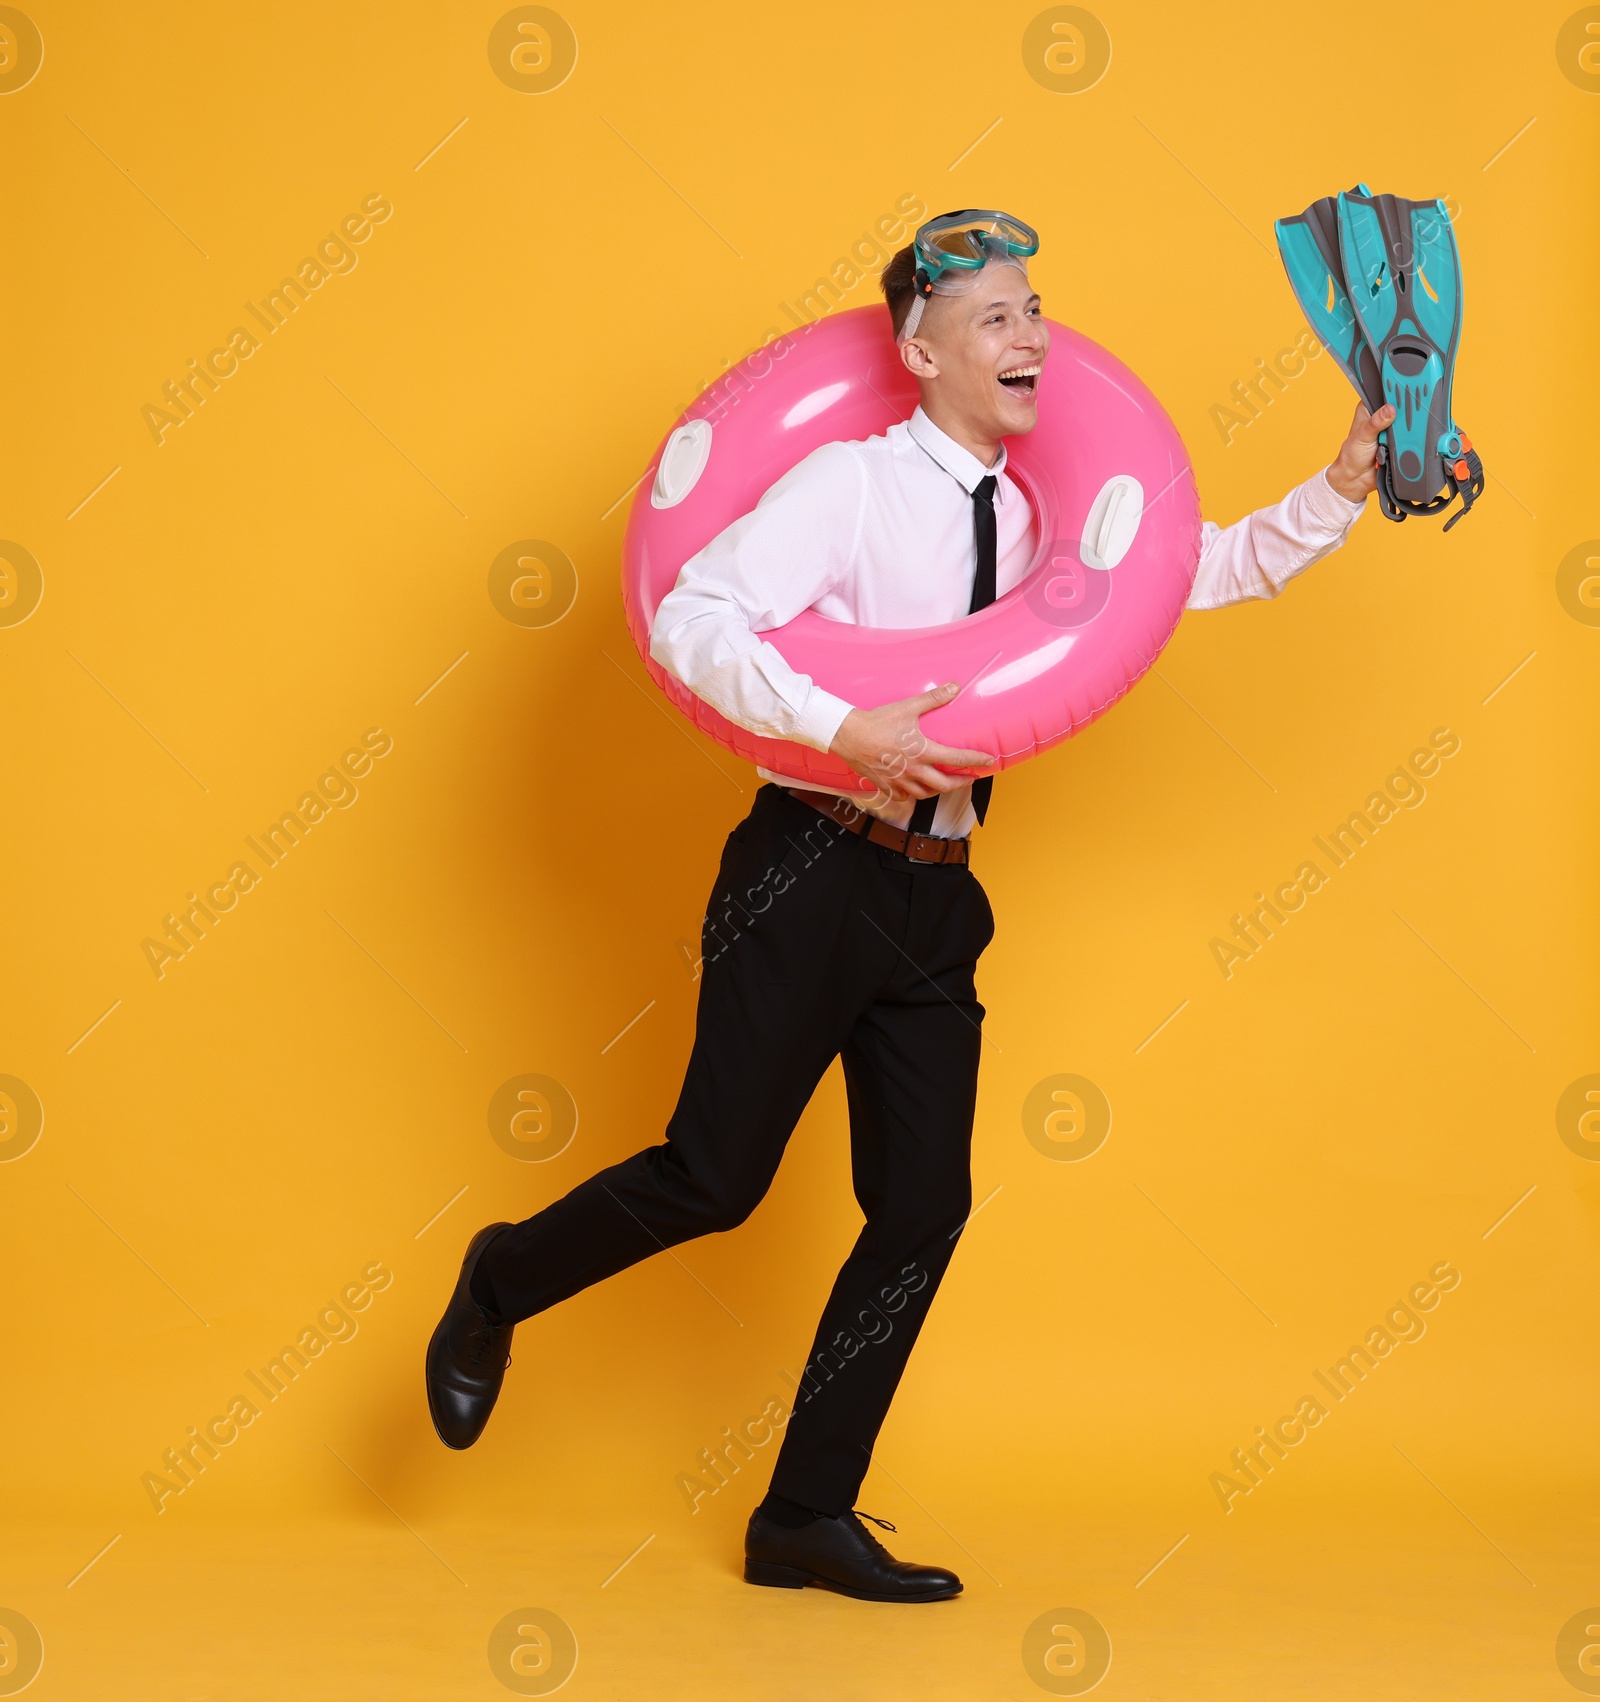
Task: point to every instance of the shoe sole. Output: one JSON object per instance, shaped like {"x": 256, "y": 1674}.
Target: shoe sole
{"x": 776, "y": 1577}
{"x": 469, "y": 1258}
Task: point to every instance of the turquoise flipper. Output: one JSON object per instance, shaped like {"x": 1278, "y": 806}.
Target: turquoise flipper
{"x": 1379, "y": 279}
{"x": 1405, "y": 278}
{"x": 1309, "y": 245}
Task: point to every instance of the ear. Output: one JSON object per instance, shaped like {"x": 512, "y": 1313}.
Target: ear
{"x": 918, "y": 358}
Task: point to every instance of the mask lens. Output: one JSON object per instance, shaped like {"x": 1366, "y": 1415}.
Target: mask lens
{"x": 953, "y": 249}
{"x": 962, "y": 243}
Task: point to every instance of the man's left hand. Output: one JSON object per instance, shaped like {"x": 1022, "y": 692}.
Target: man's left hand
{"x": 1355, "y": 474}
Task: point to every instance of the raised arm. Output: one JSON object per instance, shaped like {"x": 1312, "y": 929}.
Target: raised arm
{"x": 1259, "y": 555}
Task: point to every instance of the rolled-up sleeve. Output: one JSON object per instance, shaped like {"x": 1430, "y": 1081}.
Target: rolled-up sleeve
{"x": 1259, "y": 555}
{"x": 758, "y": 574}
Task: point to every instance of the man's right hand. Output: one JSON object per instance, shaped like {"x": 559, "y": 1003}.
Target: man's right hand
{"x": 888, "y": 747}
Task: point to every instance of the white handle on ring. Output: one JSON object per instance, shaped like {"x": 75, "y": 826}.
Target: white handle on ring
{"x": 1113, "y": 522}
{"x": 682, "y": 462}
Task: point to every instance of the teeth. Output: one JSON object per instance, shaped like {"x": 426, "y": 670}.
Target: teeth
{"x": 1024, "y": 371}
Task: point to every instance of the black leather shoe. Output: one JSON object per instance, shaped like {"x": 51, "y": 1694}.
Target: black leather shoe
{"x": 467, "y": 1357}
{"x": 839, "y": 1554}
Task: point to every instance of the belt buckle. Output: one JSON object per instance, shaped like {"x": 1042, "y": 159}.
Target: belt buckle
{"x": 927, "y": 855}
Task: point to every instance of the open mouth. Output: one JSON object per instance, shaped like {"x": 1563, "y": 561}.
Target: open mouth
{"x": 1022, "y": 380}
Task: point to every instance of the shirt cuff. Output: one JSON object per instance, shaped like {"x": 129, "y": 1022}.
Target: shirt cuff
{"x": 821, "y": 719}
{"x": 1326, "y": 503}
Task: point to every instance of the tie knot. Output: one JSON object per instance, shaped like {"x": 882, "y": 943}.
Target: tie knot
{"x": 984, "y": 490}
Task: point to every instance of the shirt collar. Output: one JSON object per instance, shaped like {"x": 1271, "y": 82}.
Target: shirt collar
{"x": 961, "y": 464}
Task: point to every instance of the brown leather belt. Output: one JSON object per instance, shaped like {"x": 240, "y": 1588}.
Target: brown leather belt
{"x": 919, "y": 847}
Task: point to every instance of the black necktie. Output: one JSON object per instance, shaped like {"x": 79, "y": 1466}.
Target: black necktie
{"x": 982, "y": 596}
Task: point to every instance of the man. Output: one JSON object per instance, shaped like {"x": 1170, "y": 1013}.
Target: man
{"x": 872, "y": 922}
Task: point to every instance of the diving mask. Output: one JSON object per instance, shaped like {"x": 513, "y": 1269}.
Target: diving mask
{"x": 953, "y": 249}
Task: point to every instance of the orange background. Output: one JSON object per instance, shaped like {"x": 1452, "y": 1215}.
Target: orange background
{"x": 305, "y": 1092}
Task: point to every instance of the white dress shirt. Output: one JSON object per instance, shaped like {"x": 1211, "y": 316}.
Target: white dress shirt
{"x": 879, "y": 532}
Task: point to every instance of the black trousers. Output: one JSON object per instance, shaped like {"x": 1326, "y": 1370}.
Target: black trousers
{"x": 816, "y": 944}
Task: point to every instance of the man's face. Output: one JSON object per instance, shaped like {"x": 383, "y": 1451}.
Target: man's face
{"x": 984, "y": 352}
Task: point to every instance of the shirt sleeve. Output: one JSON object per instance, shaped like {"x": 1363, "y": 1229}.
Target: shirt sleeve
{"x": 1259, "y": 555}
{"x": 757, "y": 574}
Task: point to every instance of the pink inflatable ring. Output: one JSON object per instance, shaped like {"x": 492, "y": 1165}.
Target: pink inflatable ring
{"x": 1118, "y": 542}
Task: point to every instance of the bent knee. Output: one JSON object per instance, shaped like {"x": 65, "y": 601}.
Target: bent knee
{"x": 721, "y": 1211}
{"x": 715, "y": 1203}
{"x": 945, "y": 1215}
{"x": 947, "y": 1200}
